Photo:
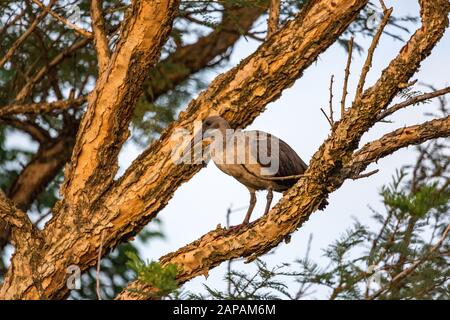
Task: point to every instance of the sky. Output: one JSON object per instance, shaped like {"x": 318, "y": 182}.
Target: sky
{"x": 199, "y": 205}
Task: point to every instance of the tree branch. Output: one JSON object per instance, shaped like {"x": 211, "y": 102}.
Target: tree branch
{"x": 104, "y": 127}
{"x": 186, "y": 60}
{"x": 41, "y": 107}
{"x": 33, "y": 130}
{"x": 400, "y": 138}
{"x": 368, "y": 63}
{"x": 412, "y": 101}
{"x": 100, "y": 39}
{"x": 63, "y": 20}
{"x": 25, "y": 35}
{"x": 21, "y": 224}
{"x": 37, "y": 174}
{"x": 27, "y": 241}
{"x": 347, "y": 75}
{"x": 274, "y": 17}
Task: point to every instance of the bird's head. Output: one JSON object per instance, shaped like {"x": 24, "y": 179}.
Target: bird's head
{"x": 213, "y": 128}
{"x": 212, "y": 124}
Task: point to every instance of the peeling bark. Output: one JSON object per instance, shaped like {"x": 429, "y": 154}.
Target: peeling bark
{"x": 100, "y": 39}
{"x": 27, "y": 242}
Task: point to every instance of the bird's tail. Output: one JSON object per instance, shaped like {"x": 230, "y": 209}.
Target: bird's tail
{"x": 323, "y": 204}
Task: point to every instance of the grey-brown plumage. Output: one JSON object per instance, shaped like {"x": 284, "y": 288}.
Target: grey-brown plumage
{"x": 258, "y": 160}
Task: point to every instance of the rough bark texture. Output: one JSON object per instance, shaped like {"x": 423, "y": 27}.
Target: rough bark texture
{"x": 25, "y": 238}
{"x": 326, "y": 171}
{"x": 400, "y": 138}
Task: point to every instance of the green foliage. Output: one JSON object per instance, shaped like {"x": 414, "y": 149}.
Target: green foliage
{"x": 152, "y": 273}
{"x": 417, "y": 203}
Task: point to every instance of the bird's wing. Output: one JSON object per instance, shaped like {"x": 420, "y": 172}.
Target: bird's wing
{"x": 275, "y": 155}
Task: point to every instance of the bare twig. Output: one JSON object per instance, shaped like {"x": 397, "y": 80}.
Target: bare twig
{"x": 274, "y": 17}
{"x": 71, "y": 25}
{"x": 347, "y": 75}
{"x": 366, "y": 175}
{"x": 331, "y": 99}
{"x": 368, "y": 62}
{"x": 99, "y": 259}
{"x": 412, "y": 101}
{"x": 330, "y": 104}
{"x": 25, "y": 35}
{"x": 26, "y": 90}
{"x": 326, "y": 116}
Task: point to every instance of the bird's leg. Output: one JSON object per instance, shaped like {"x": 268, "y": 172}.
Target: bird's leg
{"x": 250, "y": 207}
{"x": 269, "y": 200}
{"x": 249, "y": 211}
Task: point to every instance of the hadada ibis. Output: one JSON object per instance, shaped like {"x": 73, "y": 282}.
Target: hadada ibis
{"x": 257, "y": 159}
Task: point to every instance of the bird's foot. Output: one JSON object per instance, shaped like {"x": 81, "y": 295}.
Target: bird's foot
{"x": 237, "y": 227}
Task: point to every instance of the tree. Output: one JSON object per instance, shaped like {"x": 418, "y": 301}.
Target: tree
{"x": 96, "y": 212}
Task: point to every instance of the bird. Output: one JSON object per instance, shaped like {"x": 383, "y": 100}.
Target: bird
{"x": 258, "y": 160}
